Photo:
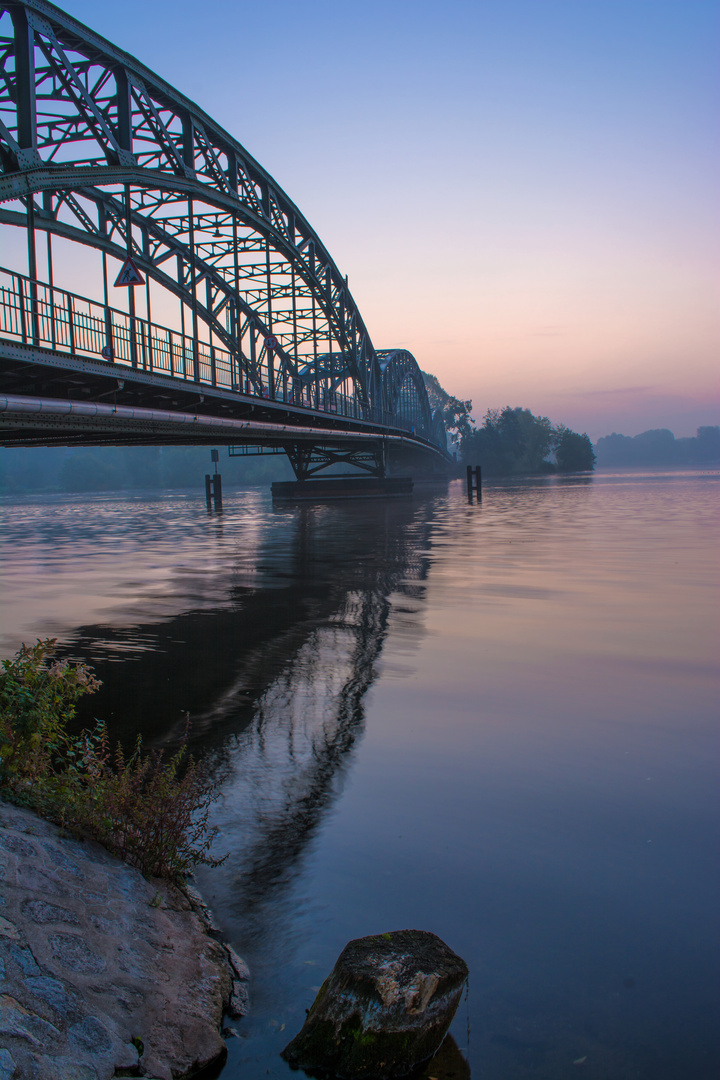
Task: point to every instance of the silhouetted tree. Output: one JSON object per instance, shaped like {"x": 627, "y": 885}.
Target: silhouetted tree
{"x": 573, "y": 452}
{"x": 455, "y": 413}
{"x": 510, "y": 442}
{"x": 513, "y": 442}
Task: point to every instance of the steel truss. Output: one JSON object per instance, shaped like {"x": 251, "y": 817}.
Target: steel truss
{"x": 97, "y": 149}
{"x": 307, "y": 461}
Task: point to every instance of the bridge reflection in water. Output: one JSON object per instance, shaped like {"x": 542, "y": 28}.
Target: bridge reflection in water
{"x": 274, "y": 676}
{"x": 283, "y": 772}
{"x": 269, "y": 627}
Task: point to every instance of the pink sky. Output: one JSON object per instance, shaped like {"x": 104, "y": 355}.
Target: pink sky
{"x": 523, "y": 194}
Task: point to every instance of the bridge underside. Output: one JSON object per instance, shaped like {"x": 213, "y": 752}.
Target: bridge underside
{"x": 103, "y": 403}
{"x": 64, "y": 401}
{"x": 57, "y": 400}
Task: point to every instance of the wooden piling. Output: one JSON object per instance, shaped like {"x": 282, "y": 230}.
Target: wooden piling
{"x": 213, "y": 491}
{"x": 474, "y": 483}
{"x": 217, "y": 491}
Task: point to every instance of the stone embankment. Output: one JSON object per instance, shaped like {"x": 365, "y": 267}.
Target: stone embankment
{"x": 102, "y": 972}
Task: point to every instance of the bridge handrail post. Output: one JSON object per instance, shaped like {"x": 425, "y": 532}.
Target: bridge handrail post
{"x": 34, "y": 322}
{"x": 108, "y": 328}
{"x": 143, "y": 345}
{"x": 20, "y": 293}
{"x": 213, "y": 367}
{"x": 270, "y": 373}
{"x": 150, "y": 345}
{"x": 53, "y": 332}
{"x": 71, "y": 327}
{"x": 132, "y": 327}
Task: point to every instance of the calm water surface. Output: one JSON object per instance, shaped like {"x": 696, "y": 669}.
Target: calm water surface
{"x": 495, "y": 722}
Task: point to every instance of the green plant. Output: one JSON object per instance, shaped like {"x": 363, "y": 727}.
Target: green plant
{"x": 37, "y": 700}
{"x": 150, "y": 811}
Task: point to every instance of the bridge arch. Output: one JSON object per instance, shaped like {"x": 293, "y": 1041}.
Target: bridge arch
{"x": 96, "y": 149}
{"x": 404, "y": 392}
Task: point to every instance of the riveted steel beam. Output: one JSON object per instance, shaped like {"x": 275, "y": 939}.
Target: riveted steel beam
{"x": 128, "y": 164}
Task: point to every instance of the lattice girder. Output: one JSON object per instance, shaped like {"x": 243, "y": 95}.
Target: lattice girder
{"x": 126, "y": 164}
{"x": 404, "y": 392}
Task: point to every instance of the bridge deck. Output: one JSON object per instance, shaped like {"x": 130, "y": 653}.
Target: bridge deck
{"x": 127, "y": 180}
{"x": 77, "y": 371}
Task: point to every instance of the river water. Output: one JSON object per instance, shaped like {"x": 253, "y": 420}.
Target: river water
{"x": 497, "y": 722}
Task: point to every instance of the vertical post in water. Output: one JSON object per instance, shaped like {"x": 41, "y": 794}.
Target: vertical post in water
{"x": 474, "y": 485}
{"x": 213, "y": 485}
{"x": 217, "y": 491}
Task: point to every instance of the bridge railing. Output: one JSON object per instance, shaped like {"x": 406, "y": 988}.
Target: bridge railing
{"x": 35, "y": 313}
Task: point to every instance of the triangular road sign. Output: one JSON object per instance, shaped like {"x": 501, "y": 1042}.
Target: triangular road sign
{"x": 129, "y": 274}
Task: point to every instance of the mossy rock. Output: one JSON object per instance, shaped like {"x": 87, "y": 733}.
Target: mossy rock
{"x": 384, "y": 1009}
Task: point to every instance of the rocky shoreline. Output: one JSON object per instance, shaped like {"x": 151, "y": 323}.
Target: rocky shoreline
{"x": 102, "y": 972}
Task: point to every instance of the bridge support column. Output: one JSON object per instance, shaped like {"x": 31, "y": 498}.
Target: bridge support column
{"x": 309, "y": 459}
{"x": 368, "y": 480}
{"x": 476, "y": 487}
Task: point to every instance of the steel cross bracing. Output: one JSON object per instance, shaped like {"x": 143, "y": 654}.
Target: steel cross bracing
{"x": 98, "y": 150}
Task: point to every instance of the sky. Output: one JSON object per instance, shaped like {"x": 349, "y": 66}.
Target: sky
{"x": 523, "y": 193}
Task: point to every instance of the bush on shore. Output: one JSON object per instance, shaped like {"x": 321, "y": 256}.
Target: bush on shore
{"x": 151, "y": 812}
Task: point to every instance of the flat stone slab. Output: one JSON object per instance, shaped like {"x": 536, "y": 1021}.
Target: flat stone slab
{"x": 101, "y": 970}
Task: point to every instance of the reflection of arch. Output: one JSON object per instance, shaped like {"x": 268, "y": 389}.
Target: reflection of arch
{"x": 288, "y": 765}
{"x": 294, "y": 794}
{"x": 97, "y": 149}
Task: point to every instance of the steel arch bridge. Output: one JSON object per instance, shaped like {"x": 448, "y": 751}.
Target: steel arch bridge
{"x": 242, "y": 329}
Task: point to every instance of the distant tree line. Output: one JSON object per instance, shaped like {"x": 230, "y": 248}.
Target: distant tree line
{"x": 659, "y": 447}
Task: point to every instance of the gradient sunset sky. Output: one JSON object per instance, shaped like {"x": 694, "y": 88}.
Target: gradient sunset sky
{"x": 524, "y": 193}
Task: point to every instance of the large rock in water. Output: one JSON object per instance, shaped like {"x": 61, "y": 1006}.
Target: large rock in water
{"x": 384, "y": 1009}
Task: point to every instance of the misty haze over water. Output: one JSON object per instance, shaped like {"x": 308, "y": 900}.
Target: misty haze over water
{"x": 141, "y": 468}
{"x": 496, "y": 722}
